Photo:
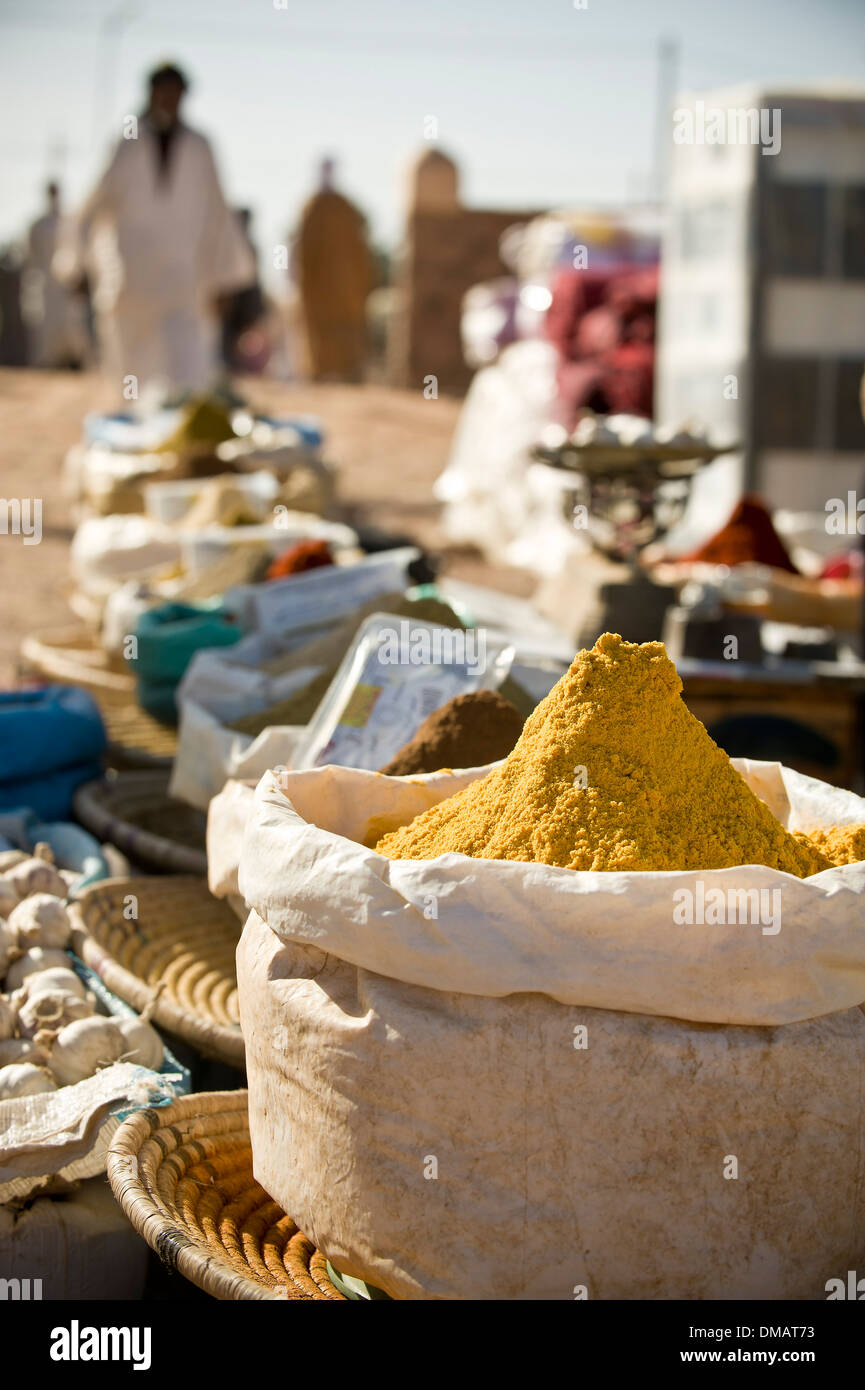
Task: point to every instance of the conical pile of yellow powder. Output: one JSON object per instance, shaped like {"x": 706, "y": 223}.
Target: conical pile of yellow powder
{"x": 611, "y": 772}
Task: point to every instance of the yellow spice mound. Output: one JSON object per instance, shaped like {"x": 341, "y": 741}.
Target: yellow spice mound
{"x": 843, "y": 844}
{"x": 611, "y": 772}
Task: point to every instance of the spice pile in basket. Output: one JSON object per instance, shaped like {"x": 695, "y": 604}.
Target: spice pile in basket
{"x": 611, "y": 772}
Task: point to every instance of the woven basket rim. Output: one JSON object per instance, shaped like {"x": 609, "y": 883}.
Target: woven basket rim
{"x": 130, "y": 755}
{"x": 59, "y": 662}
{"x": 206, "y": 1034}
{"x": 182, "y": 1246}
{"x": 133, "y": 759}
{"x": 93, "y": 806}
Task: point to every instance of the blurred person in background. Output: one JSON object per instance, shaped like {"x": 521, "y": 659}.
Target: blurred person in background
{"x": 55, "y": 318}
{"x": 245, "y": 341}
{"x": 335, "y": 274}
{"x": 164, "y": 248}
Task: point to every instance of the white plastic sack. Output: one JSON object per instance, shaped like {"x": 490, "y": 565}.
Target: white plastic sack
{"x": 220, "y": 685}
{"x": 209, "y": 754}
{"x": 123, "y": 608}
{"x": 424, "y": 1103}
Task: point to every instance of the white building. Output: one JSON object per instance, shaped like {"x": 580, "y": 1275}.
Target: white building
{"x": 762, "y": 312}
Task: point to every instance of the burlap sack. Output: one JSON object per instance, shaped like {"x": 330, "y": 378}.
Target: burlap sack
{"x": 476, "y": 1079}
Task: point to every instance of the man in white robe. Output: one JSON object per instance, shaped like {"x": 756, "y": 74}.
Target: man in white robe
{"x": 163, "y": 248}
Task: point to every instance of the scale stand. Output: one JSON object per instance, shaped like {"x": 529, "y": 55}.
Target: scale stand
{"x": 627, "y": 497}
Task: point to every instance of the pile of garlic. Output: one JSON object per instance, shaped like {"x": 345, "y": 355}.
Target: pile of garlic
{"x": 50, "y": 1032}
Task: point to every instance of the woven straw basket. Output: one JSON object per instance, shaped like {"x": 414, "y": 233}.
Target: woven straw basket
{"x": 183, "y": 1175}
{"x": 133, "y": 811}
{"x": 170, "y": 934}
{"x": 135, "y": 738}
{"x": 73, "y": 656}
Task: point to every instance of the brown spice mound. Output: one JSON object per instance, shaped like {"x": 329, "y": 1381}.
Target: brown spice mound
{"x": 843, "y": 844}
{"x": 611, "y": 772}
{"x": 469, "y": 731}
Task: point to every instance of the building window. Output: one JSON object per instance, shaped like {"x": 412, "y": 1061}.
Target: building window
{"x": 793, "y": 230}
{"x": 786, "y": 404}
{"x": 849, "y": 426}
{"x": 854, "y": 234}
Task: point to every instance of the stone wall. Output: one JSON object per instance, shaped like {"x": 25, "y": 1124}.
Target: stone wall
{"x": 447, "y": 248}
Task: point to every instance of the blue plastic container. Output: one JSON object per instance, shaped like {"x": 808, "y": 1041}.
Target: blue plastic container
{"x": 51, "y": 740}
{"x": 46, "y": 730}
{"x": 169, "y": 636}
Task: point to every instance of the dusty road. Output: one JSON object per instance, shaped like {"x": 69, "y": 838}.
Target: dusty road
{"x": 389, "y": 447}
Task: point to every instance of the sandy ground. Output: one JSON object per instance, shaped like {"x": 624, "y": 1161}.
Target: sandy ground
{"x": 388, "y": 445}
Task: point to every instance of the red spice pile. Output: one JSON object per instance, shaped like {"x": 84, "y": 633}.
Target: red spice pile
{"x": 748, "y": 538}
{"x": 305, "y": 555}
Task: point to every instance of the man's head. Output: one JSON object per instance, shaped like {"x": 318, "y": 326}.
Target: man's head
{"x": 52, "y": 192}
{"x": 167, "y": 88}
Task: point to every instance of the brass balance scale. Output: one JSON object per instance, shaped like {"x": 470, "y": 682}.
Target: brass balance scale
{"x": 627, "y": 497}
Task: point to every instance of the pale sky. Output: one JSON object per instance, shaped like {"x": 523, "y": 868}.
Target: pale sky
{"x": 542, "y": 103}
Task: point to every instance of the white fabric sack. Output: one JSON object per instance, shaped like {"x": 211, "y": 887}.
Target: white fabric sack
{"x": 209, "y": 544}
{"x": 66, "y": 1133}
{"x": 108, "y": 550}
{"x": 420, "y": 1102}
{"x": 169, "y": 501}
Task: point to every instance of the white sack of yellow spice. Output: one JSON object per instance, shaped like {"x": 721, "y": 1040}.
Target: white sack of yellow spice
{"x": 378, "y": 1031}
{"x": 606, "y": 940}
{"x": 528, "y": 1024}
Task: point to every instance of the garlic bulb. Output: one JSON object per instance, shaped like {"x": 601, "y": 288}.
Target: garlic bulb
{"x": 143, "y": 1043}
{"x": 37, "y": 958}
{"x": 24, "y": 1079}
{"x": 40, "y": 920}
{"x": 7, "y": 947}
{"x": 51, "y": 1010}
{"x": 20, "y": 1050}
{"x": 57, "y": 977}
{"x": 8, "y": 1015}
{"x": 8, "y": 898}
{"x": 37, "y": 875}
{"x": 84, "y": 1046}
{"x": 9, "y": 858}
